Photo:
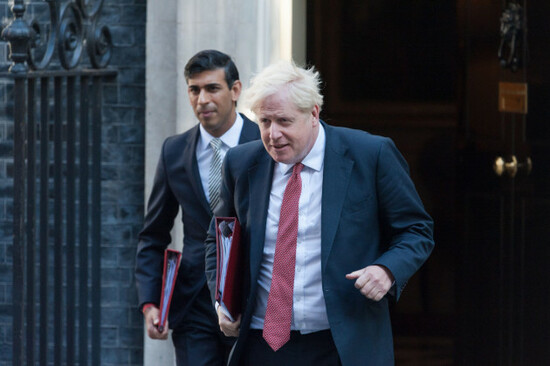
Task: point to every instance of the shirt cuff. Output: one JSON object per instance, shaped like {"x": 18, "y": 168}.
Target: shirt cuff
{"x": 147, "y": 306}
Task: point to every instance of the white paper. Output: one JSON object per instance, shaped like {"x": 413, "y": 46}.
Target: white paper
{"x": 225, "y": 248}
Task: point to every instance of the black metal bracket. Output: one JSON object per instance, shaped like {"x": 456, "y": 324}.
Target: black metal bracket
{"x": 511, "y": 32}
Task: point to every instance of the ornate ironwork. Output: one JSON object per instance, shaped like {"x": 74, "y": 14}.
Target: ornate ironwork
{"x": 69, "y": 29}
{"x": 511, "y": 28}
{"x": 90, "y": 8}
{"x": 99, "y": 46}
{"x": 42, "y": 45}
{"x": 18, "y": 34}
{"x": 71, "y": 36}
{"x": 59, "y": 100}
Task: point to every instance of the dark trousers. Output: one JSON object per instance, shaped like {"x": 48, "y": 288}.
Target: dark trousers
{"x": 199, "y": 341}
{"x": 314, "y": 349}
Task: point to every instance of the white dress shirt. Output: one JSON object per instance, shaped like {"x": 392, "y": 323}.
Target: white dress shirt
{"x": 308, "y": 309}
{"x": 204, "y": 151}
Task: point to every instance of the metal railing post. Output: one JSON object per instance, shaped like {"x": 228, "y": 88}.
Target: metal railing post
{"x": 18, "y": 34}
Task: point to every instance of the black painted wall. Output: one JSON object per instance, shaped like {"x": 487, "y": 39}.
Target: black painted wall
{"x": 122, "y": 185}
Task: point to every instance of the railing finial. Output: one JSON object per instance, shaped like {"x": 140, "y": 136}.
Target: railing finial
{"x": 18, "y": 34}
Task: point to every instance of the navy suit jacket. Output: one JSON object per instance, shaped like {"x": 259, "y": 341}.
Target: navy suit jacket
{"x": 177, "y": 185}
{"x": 371, "y": 214}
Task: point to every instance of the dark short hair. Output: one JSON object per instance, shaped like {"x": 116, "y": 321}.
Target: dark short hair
{"x": 208, "y": 60}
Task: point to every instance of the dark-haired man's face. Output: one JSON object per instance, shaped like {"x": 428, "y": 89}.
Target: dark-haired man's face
{"x": 213, "y": 101}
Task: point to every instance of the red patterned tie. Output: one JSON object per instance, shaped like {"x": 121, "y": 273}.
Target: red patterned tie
{"x": 278, "y": 315}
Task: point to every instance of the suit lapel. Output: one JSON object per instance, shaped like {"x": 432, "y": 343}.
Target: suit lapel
{"x": 191, "y": 161}
{"x": 336, "y": 177}
{"x": 260, "y": 177}
{"x": 249, "y": 132}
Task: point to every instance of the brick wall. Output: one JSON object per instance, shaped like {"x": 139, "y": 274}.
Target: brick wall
{"x": 121, "y": 183}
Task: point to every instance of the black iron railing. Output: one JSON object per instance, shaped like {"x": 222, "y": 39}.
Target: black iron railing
{"x": 57, "y": 117}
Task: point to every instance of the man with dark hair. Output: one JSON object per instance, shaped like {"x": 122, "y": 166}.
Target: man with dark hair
{"x": 209, "y": 59}
{"x": 188, "y": 178}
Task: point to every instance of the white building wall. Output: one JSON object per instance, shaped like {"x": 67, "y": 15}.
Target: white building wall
{"x": 254, "y": 32}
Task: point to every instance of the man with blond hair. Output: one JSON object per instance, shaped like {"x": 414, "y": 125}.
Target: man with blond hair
{"x": 332, "y": 229}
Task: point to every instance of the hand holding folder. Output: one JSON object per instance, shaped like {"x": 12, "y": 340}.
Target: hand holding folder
{"x": 229, "y": 266}
{"x": 170, "y": 273}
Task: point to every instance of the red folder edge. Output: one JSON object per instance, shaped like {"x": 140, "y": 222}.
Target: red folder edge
{"x": 168, "y": 252}
{"x": 233, "y": 280}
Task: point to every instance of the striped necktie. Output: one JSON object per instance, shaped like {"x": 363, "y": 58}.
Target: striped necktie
{"x": 215, "y": 173}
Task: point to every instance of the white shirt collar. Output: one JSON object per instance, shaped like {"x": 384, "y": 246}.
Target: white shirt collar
{"x": 316, "y": 156}
{"x": 230, "y": 138}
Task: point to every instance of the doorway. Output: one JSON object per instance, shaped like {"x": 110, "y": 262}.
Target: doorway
{"x": 503, "y": 303}
{"x": 427, "y": 74}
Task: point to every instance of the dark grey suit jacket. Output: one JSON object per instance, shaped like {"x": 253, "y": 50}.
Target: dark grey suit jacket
{"x": 371, "y": 214}
{"x": 177, "y": 185}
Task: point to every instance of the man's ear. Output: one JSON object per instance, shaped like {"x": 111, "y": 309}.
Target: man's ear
{"x": 315, "y": 114}
{"x": 236, "y": 89}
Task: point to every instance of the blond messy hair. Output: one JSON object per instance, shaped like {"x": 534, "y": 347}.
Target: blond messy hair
{"x": 303, "y": 86}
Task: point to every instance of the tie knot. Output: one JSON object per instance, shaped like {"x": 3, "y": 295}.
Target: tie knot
{"x": 297, "y": 168}
{"x": 216, "y": 144}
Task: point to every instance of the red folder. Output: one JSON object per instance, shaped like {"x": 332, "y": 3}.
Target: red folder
{"x": 169, "y": 275}
{"x": 229, "y": 270}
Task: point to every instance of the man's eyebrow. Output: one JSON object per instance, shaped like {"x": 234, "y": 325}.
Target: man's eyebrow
{"x": 205, "y": 86}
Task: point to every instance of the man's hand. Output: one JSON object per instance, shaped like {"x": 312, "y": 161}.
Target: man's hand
{"x": 373, "y": 281}
{"x": 229, "y": 328}
{"x": 152, "y": 320}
